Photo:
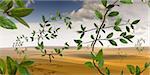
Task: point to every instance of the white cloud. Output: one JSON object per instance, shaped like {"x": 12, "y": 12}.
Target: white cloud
{"x": 85, "y": 16}
{"x": 87, "y": 10}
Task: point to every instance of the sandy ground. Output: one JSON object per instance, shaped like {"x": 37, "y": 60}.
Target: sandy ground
{"x": 72, "y": 63}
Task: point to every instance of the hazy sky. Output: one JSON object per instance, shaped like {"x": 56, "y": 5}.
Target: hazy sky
{"x": 81, "y": 13}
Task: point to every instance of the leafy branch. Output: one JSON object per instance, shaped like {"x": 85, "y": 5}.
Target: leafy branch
{"x": 97, "y": 59}
{"x": 12, "y": 66}
{"x": 47, "y": 31}
{"x": 15, "y": 9}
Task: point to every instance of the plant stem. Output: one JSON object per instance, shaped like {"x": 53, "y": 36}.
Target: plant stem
{"x": 102, "y": 39}
{"x": 106, "y": 27}
{"x": 98, "y": 68}
{"x": 97, "y": 37}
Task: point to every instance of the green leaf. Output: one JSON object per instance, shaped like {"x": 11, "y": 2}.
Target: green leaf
{"x": 79, "y": 46}
{"x": 117, "y": 28}
{"x": 104, "y": 2}
{"x": 138, "y": 70}
{"x": 57, "y": 51}
{"x": 101, "y": 42}
{"x": 11, "y": 66}
{"x": 131, "y": 69}
{"x": 132, "y": 26}
{"x": 5, "y": 5}
{"x": 67, "y": 44}
{"x": 38, "y": 48}
{"x": 110, "y": 6}
{"x": 118, "y": 21}
{"x": 95, "y": 25}
{"x": 123, "y": 41}
{"x": 20, "y": 3}
{"x": 107, "y": 71}
{"x": 48, "y": 25}
{"x": 123, "y": 34}
{"x": 21, "y": 21}
{"x": 147, "y": 65}
{"x": 89, "y": 64}
{"x": 113, "y": 42}
{"x": 113, "y": 13}
{"x": 20, "y": 12}
{"x": 79, "y": 31}
{"x": 26, "y": 63}
{"x": 127, "y": 28}
{"x": 92, "y": 37}
{"x": 93, "y": 56}
{"x": 6, "y": 23}
{"x": 126, "y": 1}
{"x": 23, "y": 70}
{"x": 129, "y": 36}
{"x": 83, "y": 28}
{"x": 99, "y": 55}
{"x": 100, "y": 58}
{"x": 2, "y": 66}
{"x": 98, "y": 14}
{"x": 110, "y": 35}
{"x": 41, "y": 45}
{"x": 135, "y": 22}
{"x": 77, "y": 41}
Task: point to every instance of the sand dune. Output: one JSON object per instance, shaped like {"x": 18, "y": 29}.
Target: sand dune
{"x": 72, "y": 61}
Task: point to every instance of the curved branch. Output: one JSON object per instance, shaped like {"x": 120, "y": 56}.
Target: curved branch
{"x": 102, "y": 39}
{"x": 98, "y": 68}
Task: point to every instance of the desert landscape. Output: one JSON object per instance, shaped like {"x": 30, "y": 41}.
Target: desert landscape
{"x": 72, "y": 63}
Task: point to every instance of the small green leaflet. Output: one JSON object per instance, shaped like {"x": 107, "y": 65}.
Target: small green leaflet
{"x": 110, "y": 35}
{"x": 113, "y": 42}
{"x": 89, "y": 64}
{"x": 20, "y": 3}
{"x": 126, "y": 1}
{"x": 93, "y": 56}
{"x": 11, "y": 66}
{"x": 138, "y": 71}
{"x": 131, "y": 69}
{"x": 107, "y": 71}
{"x": 118, "y": 21}
{"x": 135, "y": 22}
{"x": 20, "y": 12}
{"x": 147, "y": 65}
{"x": 123, "y": 34}
{"x": 127, "y": 28}
{"x": 100, "y": 58}
{"x": 123, "y": 41}
{"x": 26, "y": 63}
{"x": 5, "y": 5}
{"x": 77, "y": 41}
{"x": 98, "y": 14}
{"x": 113, "y": 13}
{"x": 21, "y": 21}
{"x": 23, "y": 70}
{"x": 92, "y": 37}
{"x": 129, "y": 36}
{"x": 117, "y": 28}
{"x": 7, "y": 23}
{"x": 2, "y": 66}
{"x": 104, "y": 2}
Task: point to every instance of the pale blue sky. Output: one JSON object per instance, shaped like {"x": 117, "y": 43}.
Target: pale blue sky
{"x": 81, "y": 13}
